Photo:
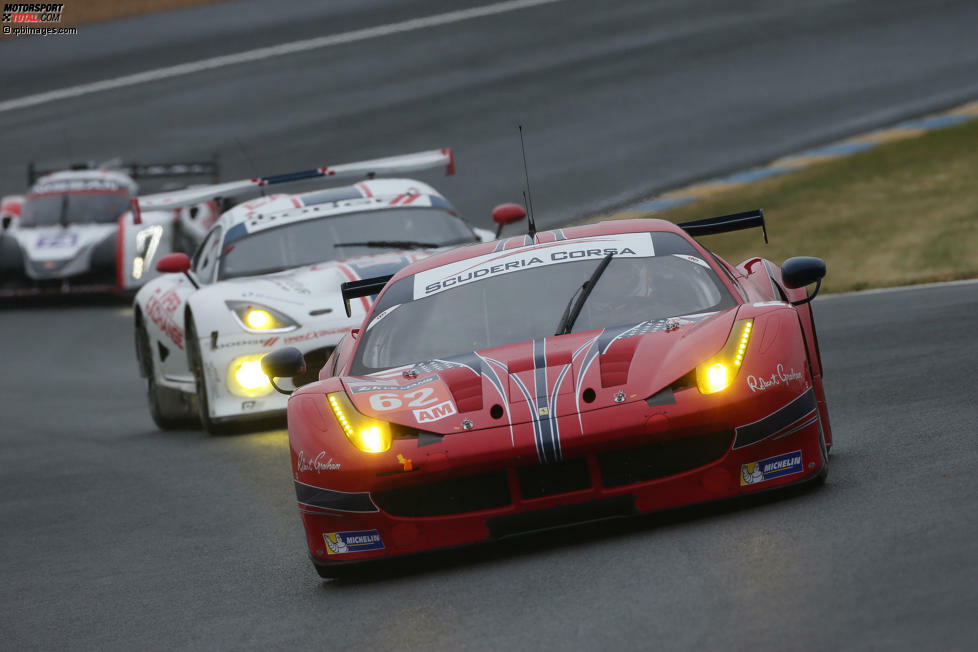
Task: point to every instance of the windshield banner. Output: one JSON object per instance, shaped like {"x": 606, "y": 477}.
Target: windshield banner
{"x": 433, "y": 281}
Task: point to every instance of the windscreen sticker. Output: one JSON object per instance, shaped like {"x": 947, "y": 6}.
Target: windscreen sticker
{"x": 693, "y": 259}
{"x": 377, "y": 319}
{"x": 432, "y": 281}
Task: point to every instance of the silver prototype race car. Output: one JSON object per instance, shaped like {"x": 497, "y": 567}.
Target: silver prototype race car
{"x": 74, "y": 231}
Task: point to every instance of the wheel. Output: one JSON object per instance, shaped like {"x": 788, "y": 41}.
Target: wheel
{"x": 211, "y": 426}
{"x": 169, "y": 408}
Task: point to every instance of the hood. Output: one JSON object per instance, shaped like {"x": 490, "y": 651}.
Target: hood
{"x": 521, "y": 382}
{"x": 314, "y": 287}
{"x": 59, "y": 252}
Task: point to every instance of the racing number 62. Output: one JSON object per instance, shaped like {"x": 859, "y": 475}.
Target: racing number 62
{"x": 384, "y": 401}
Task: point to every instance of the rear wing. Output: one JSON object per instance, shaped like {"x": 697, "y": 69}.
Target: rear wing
{"x": 726, "y": 223}
{"x": 363, "y": 169}
{"x": 363, "y": 288}
{"x": 140, "y": 170}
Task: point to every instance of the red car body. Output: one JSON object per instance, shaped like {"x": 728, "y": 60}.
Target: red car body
{"x": 585, "y": 425}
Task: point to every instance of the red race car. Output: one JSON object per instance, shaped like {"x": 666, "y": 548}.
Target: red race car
{"x": 580, "y": 373}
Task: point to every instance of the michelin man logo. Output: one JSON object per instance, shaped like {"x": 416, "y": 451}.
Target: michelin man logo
{"x": 751, "y": 473}
{"x": 335, "y": 543}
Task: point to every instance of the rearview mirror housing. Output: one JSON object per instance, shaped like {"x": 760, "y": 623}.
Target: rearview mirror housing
{"x": 283, "y": 363}
{"x": 800, "y": 271}
{"x": 507, "y": 214}
{"x": 173, "y": 264}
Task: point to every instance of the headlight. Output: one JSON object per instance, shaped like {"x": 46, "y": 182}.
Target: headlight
{"x": 367, "y": 434}
{"x": 256, "y": 318}
{"x": 147, "y": 242}
{"x": 245, "y": 377}
{"x": 717, "y": 373}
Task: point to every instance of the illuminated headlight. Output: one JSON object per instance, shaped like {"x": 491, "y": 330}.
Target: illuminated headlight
{"x": 367, "y": 434}
{"x": 717, "y": 373}
{"x": 147, "y": 242}
{"x": 246, "y": 378}
{"x": 256, "y": 318}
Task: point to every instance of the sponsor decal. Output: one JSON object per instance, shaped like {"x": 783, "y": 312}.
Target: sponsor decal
{"x": 160, "y": 310}
{"x": 435, "y": 412}
{"x": 57, "y": 241}
{"x": 442, "y": 278}
{"x": 312, "y": 335}
{"x": 317, "y": 464}
{"x": 778, "y": 377}
{"x": 429, "y": 399}
{"x": 338, "y": 543}
{"x": 404, "y": 462}
{"x": 770, "y": 468}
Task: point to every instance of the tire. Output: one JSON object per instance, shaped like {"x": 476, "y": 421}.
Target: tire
{"x": 171, "y": 409}
{"x": 210, "y": 426}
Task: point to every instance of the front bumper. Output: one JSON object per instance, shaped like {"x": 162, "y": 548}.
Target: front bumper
{"x": 454, "y": 495}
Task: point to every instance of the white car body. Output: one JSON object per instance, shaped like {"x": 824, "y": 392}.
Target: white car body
{"x": 112, "y": 252}
{"x": 307, "y": 295}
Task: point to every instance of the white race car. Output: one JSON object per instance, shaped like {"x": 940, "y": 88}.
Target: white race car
{"x": 269, "y": 273}
{"x": 73, "y": 230}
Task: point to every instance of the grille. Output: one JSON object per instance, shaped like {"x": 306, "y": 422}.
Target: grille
{"x": 549, "y": 479}
{"x": 456, "y": 496}
{"x": 621, "y": 467}
{"x": 543, "y": 519}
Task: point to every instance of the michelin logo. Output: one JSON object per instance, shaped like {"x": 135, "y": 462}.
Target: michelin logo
{"x": 773, "y": 467}
{"x": 338, "y": 543}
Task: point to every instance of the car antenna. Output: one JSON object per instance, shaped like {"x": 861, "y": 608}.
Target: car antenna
{"x": 527, "y": 196}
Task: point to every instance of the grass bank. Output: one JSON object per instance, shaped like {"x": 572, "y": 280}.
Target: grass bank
{"x": 905, "y": 212}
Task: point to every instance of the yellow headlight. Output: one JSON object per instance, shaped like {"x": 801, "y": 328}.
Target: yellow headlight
{"x": 717, "y": 373}
{"x": 246, "y": 378}
{"x": 259, "y": 319}
{"x": 367, "y": 434}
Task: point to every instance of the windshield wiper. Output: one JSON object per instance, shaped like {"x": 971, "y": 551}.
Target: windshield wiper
{"x": 394, "y": 244}
{"x": 577, "y": 300}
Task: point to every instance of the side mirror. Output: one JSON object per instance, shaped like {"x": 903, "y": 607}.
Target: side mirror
{"x": 507, "y": 214}
{"x": 283, "y": 363}
{"x": 800, "y": 271}
{"x": 173, "y": 264}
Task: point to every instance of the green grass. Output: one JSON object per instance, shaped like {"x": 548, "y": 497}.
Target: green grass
{"x": 904, "y": 212}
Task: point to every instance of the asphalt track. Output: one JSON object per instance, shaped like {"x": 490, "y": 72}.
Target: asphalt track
{"x": 116, "y": 536}
{"x": 619, "y": 99}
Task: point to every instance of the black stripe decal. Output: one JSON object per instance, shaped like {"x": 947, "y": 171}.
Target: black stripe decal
{"x": 340, "y": 501}
{"x": 775, "y": 422}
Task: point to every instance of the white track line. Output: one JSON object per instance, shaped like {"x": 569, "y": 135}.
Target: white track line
{"x": 270, "y": 52}
{"x": 899, "y": 288}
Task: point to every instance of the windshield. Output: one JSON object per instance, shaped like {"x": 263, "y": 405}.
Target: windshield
{"x": 52, "y": 208}
{"x": 528, "y": 304}
{"x": 305, "y": 242}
